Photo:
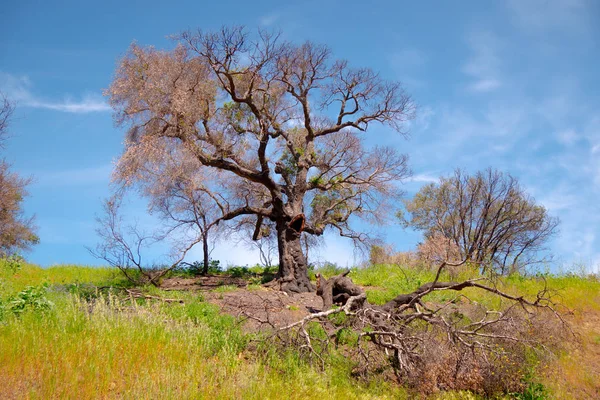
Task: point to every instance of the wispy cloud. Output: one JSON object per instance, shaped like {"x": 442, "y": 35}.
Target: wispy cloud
{"x": 540, "y": 16}
{"x": 19, "y": 89}
{"x": 424, "y": 178}
{"x": 568, "y": 137}
{"x": 269, "y": 19}
{"x": 88, "y": 104}
{"x": 483, "y": 65}
{"x": 73, "y": 177}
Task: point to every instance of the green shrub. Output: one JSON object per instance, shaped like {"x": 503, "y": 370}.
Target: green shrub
{"x": 329, "y": 269}
{"x": 30, "y": 298}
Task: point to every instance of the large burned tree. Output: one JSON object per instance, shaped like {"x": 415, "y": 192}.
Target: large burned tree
{"x": 279, "y": 124}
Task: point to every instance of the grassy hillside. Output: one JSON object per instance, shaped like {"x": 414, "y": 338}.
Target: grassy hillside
{"x": 64, "y": 333}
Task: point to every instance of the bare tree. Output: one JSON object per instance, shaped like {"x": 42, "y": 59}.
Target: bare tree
{"x": 17, "y": 232}
{"x": 6, "y": 111}
{"x": 185, "y": 200}
{"x": 281, "y": 123}
{"x": 123, "y": 245}
{"x": 488, "y": 217}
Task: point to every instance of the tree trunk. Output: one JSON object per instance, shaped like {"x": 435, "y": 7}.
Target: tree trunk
{"x": 293, "y": 268}
{"x": 205, "y": 252}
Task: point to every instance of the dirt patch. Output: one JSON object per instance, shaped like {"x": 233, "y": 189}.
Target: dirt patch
{"x": 255, "y": 304}
{"x": 258, "y": 305}
{"x": 209, "y": 282}
{"x": 266, "y": 306}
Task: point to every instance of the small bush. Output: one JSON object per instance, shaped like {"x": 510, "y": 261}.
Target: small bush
{"x": 240, "y": 272}
{"x": 329, "y": 269}
{"x": 30, "y": 298}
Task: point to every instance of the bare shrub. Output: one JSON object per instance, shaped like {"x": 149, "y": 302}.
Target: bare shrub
{"x": 385, "y": 254}
{"x": 436, "y": 249}
{"x": 492, "y": 221}
{"x": 430, "y": 343}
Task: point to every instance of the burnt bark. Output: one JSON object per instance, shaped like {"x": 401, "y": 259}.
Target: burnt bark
{"x": 336, "y": 290}
{"x": 205, "y": 253}
{"x": 292, "y": 276}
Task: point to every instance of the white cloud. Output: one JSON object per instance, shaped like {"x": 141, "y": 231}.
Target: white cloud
{"x": 234, "y": 252}
{"x": 338, "y": 250}
{"x": 230, "y": 253}
{"x": 558, "y": 200}
{"x": 485, "y": 85}
{"x": 88, "y": 104}
{"x": 424, "y": 178}
{"x": 19, "y": 89}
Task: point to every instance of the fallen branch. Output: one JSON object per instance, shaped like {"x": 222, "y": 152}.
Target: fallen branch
{"x": 139, "y": 295}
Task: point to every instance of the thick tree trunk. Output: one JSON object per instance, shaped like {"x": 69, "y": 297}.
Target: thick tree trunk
{"x": 293, "y": 268}
{"x": 205, "y": 253}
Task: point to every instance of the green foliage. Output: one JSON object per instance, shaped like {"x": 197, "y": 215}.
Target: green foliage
{"x": 225, "y": 289}
{"x": 193, "y": 350}
{"x": 315, "y": 330}
{"x": 346, "y": 336}
{"x": 31, "y": 298}
{"x": 534, "y": 391}
{"x": 13, "y": 263}
{"x": 316, "y": 180}
{"x": 329, "y": 269}
{"x": 196, "y": 268}
{"x": 240, "y": 272}
{"x": 153, "y": 349}
{"x": 289, "y": 164}
{"x": 338, "y": 319}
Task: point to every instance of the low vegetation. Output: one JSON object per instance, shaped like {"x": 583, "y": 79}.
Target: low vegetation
{"x": 74, "y": 331}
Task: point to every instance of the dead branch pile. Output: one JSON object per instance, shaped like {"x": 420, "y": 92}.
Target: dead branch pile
{"x": 431, "y": 345}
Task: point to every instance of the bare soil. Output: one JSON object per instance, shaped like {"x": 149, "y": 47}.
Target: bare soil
{"x": 202, "y": 283}
{"x": 255, "y": 304}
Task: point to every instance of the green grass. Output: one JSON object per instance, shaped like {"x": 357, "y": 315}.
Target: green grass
{"x": 32, "y": 275}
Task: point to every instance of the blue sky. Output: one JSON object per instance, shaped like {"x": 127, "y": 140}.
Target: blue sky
{"x": 508, "y": 84}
